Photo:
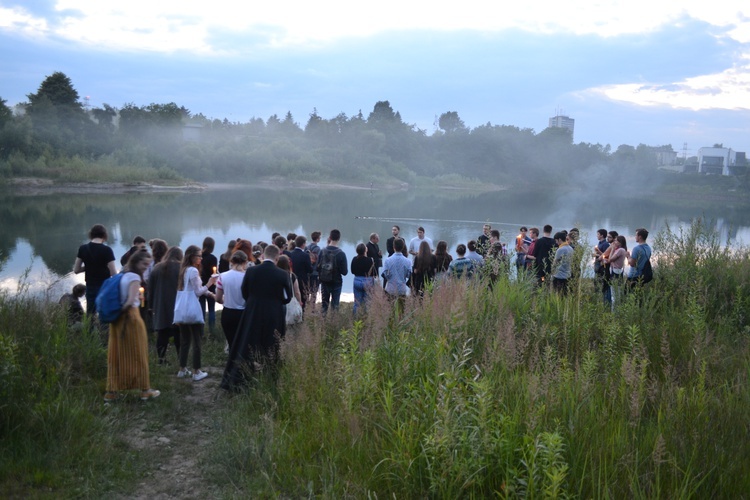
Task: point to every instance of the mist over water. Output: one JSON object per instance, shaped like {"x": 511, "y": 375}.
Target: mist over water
{"x": 41, "y": 234}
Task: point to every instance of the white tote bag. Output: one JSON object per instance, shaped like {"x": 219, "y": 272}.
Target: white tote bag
{"x": 187, "y": 308}
{"x": 293, "y": 312}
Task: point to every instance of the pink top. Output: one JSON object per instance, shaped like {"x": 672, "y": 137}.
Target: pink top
{"x": 617, "y": 258}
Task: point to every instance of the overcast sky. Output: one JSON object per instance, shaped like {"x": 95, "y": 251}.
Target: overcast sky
{"x": 628, "y": 71}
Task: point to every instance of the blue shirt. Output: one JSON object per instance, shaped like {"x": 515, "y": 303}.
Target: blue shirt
{"x": 641, "y": 253}
{"x": 396, "y": 269}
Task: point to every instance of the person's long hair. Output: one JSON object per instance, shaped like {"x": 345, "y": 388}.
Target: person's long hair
{"x": 159, "y": 249}
{"x": 284, "y": 263}
{"x": 174, "y": 255}
{"x": 247, "y": 247}
{"x": 227, "y": 256}
{"x": 423, "y": 260}
{"x": 623, "y": 242}
{"x": 187, "y": 261}
{"x": 442, "y": 256}
{"x": 135, "y": 259}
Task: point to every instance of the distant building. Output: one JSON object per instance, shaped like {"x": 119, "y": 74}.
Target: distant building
{"x": 191, "y": 132}
{"x": 562, "y": 121}
{"x": 665, "y": 156}
{"x": 720, "y": 161}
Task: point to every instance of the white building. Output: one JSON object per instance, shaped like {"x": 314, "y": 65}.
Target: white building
{"x": 716, "y": 161}
{"x": 562, "y": 121}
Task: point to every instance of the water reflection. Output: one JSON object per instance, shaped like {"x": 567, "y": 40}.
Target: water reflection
{"x": 40, "y": 235}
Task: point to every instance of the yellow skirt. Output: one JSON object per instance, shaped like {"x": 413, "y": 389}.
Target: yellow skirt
{"x": 127, "y": 357}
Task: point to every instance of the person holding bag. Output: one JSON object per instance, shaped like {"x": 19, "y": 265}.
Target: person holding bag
{"x": 294, "y": 307}
{"x": 127, "y": 353}
{"x": 188, "y": 313}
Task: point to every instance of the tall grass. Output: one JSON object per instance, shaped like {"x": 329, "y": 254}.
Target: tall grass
{"x": 513, "y": 392}
{"x": 54, "y": 434}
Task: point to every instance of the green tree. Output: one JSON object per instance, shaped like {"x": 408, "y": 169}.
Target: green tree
{"x": 451, "y": 123}
{"x": 58, "y": 117}
{"x": 5, "y": 113}
{"x": 58, "y": 90}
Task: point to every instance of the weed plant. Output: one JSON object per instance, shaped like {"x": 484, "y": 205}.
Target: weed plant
{"x": 513, "y": 391}
{"x": 471, "y": 391}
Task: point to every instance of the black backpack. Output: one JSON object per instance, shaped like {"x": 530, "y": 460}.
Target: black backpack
{"x": 327, "y": 265}
{"x": 648, "y": 272}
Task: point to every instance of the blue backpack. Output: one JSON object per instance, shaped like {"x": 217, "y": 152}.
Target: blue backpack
{"x": 108, "y": 303}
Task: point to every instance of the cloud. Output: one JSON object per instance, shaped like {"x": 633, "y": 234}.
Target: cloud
{"x": 191, "y": 25}
{"x": 729, "y": 89}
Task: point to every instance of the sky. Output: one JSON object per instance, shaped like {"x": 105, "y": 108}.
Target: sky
{"x": 628, "y": 71}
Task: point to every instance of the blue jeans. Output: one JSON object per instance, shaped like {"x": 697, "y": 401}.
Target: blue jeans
{"x": 91, "y": 293}
{"x": 362, "y": 286}
{"x": 330, "y": 293}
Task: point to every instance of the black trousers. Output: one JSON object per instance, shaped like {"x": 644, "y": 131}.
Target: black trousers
{"x": 162, "y": 341}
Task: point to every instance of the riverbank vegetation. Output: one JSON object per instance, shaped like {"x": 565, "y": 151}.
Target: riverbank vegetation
{"x": 55, "y": 136}
{"x": 513, "y": 392}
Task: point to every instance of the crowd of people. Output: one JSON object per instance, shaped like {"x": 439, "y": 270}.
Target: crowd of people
{"x": 267, "y": 286}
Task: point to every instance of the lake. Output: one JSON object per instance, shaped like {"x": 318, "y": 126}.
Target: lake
{"x": 40, "y": 234}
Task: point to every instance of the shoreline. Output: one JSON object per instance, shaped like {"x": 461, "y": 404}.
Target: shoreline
{"x": 34, "y": 186}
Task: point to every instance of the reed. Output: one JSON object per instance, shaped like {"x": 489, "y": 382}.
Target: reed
{"x": 470, "y": 391}
{"x": 516, "y": 391}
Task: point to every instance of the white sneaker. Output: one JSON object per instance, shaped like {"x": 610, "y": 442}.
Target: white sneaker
{"x": 199, "y": 375}
{"x": 183, "y": 373}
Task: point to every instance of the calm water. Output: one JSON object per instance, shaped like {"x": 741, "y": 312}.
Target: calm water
{"x": 40, "y": 235}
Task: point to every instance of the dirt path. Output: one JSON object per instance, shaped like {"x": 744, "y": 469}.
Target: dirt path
{"x": 178, "y": 447}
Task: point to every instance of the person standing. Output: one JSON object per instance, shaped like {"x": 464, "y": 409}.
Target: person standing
{"x": 162, "y": 289}
{"x": 363, "y": 269}
{"x": 483, "y": 242}
{"x": 229, "y": 293}
{"x": 97, "y": 261}
{"x": 523, "y": 241}
{"x": 373, "y": 251}
{"x": 314, "y": 250}
{"x": 640, "y": 260}
{"x": 209, "y": 267}
{"x": 302, "y": 266}
{"x": 139, "y": 243}
{"x": 332, "y": 265}
{"x": 424, "y": 269}
{"x": 601, "y": 271}
{"x": 563, "y": 262}
{"x": 415, "y": 242}
{"x": 127, "y": 352}
{"x": 395, "y": 231}
{"x": 266, "y": 289}
{"x": 543, "y": 256}
{"x": 473, "y": 255}
{"x": 615, "y": 258}
{"x": 461, "y": 267}
{"x": 442, "y": 260}
{"x": 397, "y": 269}
{"x": 192, "y": 332}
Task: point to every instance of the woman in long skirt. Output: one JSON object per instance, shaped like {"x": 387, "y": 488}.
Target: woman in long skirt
{"x": 127, "y": 357}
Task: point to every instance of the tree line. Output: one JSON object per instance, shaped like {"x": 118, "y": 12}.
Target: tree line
{"x": 55, "y": 135}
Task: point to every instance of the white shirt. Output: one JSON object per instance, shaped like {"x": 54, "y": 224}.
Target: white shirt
{"x": 415, "y": 242}
{"x": 125, "y": 282}
{"x": 231, "y": 283}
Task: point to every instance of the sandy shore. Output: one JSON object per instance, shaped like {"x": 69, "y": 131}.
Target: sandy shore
{"x": 36, "y": 186}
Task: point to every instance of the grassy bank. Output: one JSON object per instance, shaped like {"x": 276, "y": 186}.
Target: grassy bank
{"x": 468, "y": 393}
{"x": 513, "y": 393}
